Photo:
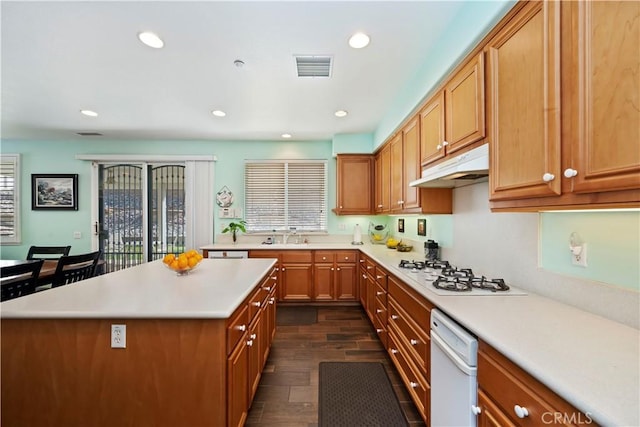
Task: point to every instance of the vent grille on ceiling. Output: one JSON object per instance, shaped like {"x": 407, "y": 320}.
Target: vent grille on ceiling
{"x": 313, "y": 66}
{"x": 89, "y": 133}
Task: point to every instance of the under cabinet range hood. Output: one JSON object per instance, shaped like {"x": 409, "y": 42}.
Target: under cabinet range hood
{"x": 457, "y": 171}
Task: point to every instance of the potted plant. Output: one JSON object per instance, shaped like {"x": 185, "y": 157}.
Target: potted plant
{"x": 234, "y": 227}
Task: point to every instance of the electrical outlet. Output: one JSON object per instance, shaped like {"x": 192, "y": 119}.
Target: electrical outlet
{"x": 579, "y": 255}
{"x": 77, "y": 235}
{"x": 118, "y": 336}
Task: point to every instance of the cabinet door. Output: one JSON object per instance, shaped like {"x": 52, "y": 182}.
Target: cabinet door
{"x": 385, "y": 178}
{"x": 432, "y": 130}
{"x": 524, "y": 104}
{"x": 490, "y": 415}
{"x": 411, "y": 163}
{"x": 396, "y": 180}
{"x": 354, "y": 184}
{"x": 237, "y": 395}
{"x": 346, "y": 282}
{"x": 296, "y": 282}
{"x": 605, "y": 146}
{"x": 362, "y": 284}
{"x": 464, "y": 101}
{"x": 255, "y": 350}
{"x": 323, "y": 282}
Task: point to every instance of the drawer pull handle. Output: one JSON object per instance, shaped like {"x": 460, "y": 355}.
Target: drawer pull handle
{"x": 253, "y": 336}
{"x": 256, "y": 304}
{"x": 241, "y": 328}
{"x": 476, "y": 410}
{"x": 395, "y": 317}
{"x": 369, "y": 267}
{"x": 267, "y": 288}
{"x": 378, "y": 330}
{"x": 274, "y": 278}
{"x": 379, "y": 293}
{"x": 521, "y": 411}
{"x": 413, "y": 384}
{"x": 414, "y": 342}
{"x": 379, "y": 310}
{"x": 378, "y": 277}
{"x": 394, "y": 351}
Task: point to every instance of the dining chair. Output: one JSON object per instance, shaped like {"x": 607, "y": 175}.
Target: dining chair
{"x": 49, "y": 252}
{"x": 19, "y": 280}
{"x": 73, "y": 268}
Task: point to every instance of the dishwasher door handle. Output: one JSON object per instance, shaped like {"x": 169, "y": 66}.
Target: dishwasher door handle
{"x": 457, "y": 360}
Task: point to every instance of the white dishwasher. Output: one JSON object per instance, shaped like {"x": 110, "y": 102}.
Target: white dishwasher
{"x": 454, "y": 386}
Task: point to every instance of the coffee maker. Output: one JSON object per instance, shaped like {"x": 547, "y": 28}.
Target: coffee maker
{"x": 431, "y": 250}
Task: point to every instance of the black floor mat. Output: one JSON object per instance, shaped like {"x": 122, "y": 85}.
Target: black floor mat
{"x": 357, "y": 394}
{"x": 296, "y": 315}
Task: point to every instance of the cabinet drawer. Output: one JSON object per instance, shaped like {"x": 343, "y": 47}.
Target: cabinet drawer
{"x": 237, "y": 326}
{"x": 381, "y": 311}
{"x": 510, "y": 386}
{"x": 381, "y": 277}
{"x": 346, "y": 256}
{"x": 415, "y": 305}
{"x": 381, "y": 294}
{"x": 296, "y": 256}
{"x": 323, "y": 257}
{"x": 255, "y": 302}
{"x": 415, "y": 340}
{"x": 416, "y": 384}
{"x": 264, "y": 254}
{"x": 370, "y": 266}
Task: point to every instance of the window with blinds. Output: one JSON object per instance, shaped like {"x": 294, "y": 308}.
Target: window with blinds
{"x": 286, "y": 193}
{"x": 9, "y": 200}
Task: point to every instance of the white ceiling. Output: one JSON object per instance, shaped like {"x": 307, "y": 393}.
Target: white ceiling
{"x": 61, "y": 57}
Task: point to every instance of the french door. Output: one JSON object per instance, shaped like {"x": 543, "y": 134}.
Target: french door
{"x": 140, "y": 212}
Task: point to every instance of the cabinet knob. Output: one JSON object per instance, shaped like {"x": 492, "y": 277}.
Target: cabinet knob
{"x": 369, "y": 267}
{"x": 324, "y": 258}
{"x": 378, "y": 330}
{"x": 414, "y": 342}
{"x": 439, "y": 147}
{"x": 413, "y": 384}
{"x": 394, "y": 351}
{"x": 400, "y": 202}
{"x": 346, "y": 258}
{"x": 378, "y": 277}
{"x": 256, "y": 304}
{"x": 476, "y": 410}
{"x": 267, "y": 288}
{"x": 274, "y": 278}
{"x": 380, "y": 206}
{"x": 548, "y": 177}
{"x": 271, "y": 301}
{"x": 331, "y": 268}
{"x": 250, "y": 343}
{"x": 570, "y": 173}
{"x": 283, "y": 268}
{"x": 379, "y": 310}
{"x": 340, "y": 207}
{"x": 338, "y": 268}
{"x": 364, "y": 276}
{"x": 521, "y": 411}
{"x": 362, "y": 261}
{"x": 241, "y": 328}
{"x": 379, "y": 293}
{"x": 445, "y": 143}
{"x": 395, "y": 317}
{"x": 253, "y": 336}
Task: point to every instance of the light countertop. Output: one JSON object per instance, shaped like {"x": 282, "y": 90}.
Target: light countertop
{"x": 213, "y": 290}
{"x": 592, "y": 362}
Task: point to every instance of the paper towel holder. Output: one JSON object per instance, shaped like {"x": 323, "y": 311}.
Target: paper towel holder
{"x": 357, "y": 235}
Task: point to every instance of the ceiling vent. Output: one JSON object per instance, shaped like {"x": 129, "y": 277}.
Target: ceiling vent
{"x": 89, "y": 134}
{"x": 313, "y": 66}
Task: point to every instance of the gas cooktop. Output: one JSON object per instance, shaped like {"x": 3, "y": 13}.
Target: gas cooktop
{"x": 441, "y": 278}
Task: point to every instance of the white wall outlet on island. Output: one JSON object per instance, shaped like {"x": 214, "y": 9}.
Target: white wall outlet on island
{"x": 118, "y": 336}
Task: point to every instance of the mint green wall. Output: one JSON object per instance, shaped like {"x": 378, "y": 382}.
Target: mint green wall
{"x": 470, "y": 25}
{"x": 353, "y": 143}
{"x": 613, "y": 245}
{"x": 55, "y": 228}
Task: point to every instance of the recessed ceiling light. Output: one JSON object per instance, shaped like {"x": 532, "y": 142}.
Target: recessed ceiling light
{"x": 359, "y": 40}
{"x": 341, "y": 113}
{"x": 286, "y": 135}
{"x": 151, "y": 39}
{"x": 218, "y": 113}
{"x": 89, "y": 113}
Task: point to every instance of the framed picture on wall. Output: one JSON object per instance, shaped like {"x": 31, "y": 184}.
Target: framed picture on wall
{"x": 54, "y": 192}
{"x": 401, "y": 225}
{"x": 422, "y": 227}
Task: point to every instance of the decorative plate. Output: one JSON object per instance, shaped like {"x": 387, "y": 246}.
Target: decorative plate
{"x": 224, "y": 197}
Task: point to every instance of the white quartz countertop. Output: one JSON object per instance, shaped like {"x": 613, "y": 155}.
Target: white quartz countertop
{"x": 213, "y": 290}
{"x": 592, "y": 362}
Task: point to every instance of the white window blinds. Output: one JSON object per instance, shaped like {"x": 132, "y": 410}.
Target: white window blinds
{"x": 9, "y": 200}
{"x": 283, "y": 194}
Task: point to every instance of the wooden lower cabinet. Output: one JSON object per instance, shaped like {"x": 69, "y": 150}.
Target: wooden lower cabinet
{"x": 296, "y": 276}
{"x": 238, "y": 385}
{"x": 510, "y": 396}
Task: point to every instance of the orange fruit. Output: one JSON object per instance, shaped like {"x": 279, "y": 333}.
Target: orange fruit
{"x": 168, "y": 258}
{"x": 174, "y": 265}
{"x": 193, "y": 261}
{"x": 183, "y": 262}
{"x": 192, "y": 253}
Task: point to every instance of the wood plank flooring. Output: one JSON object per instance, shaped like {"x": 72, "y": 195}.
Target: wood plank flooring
{"x": 288, "y": 392}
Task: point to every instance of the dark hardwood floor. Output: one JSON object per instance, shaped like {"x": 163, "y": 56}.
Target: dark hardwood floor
{"x": 288, "y": 392}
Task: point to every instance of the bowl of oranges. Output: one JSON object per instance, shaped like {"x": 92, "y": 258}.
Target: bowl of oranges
{"x": 182, "y": 263}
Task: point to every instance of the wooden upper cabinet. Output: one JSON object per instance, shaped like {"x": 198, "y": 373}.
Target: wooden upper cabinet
{"x": 411, "y": 164}
{"x": 464, "y": 102}
{"x": 354, "y": 184}
{"x": 605, "y": 80}
{"x": 523, "y": 77}
{"x": 382, "y": 180}
{"x": 396, "y": 176}
{"x": 455, "y": 117}
{"x": 432, "y": 129}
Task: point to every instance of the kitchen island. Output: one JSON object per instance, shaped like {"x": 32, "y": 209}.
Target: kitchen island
{"x": 591, "y": 362}
{"x": 59, "y": 367}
